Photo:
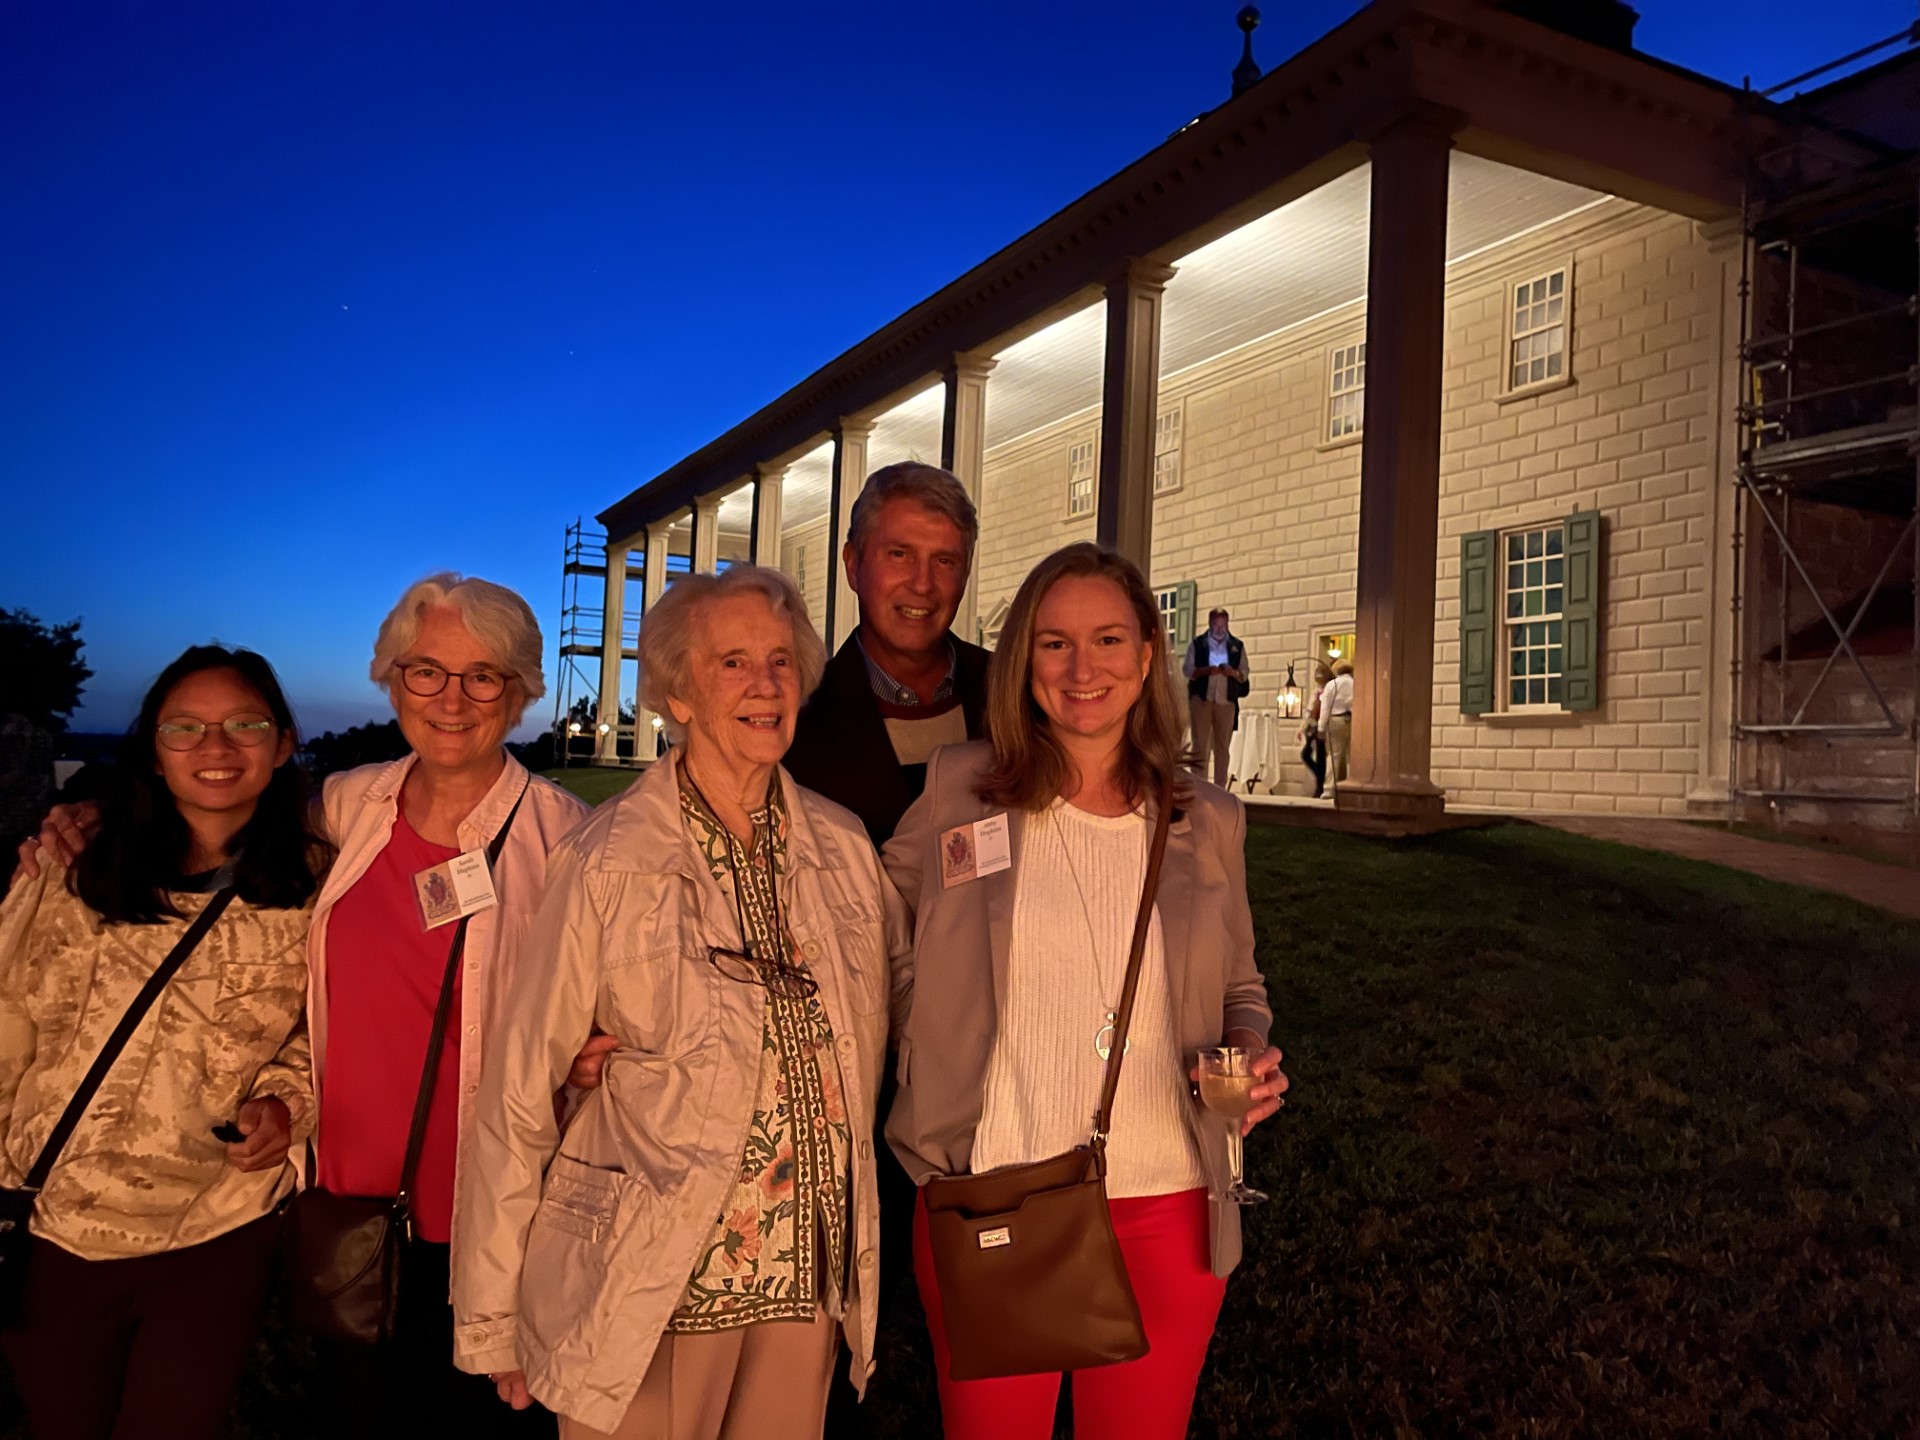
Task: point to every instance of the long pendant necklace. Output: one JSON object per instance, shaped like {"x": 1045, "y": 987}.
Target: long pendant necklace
{"x": 1103, "y": 1037}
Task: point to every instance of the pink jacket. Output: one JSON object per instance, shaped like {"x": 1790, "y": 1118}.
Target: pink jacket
{"x": 360, "y": 808}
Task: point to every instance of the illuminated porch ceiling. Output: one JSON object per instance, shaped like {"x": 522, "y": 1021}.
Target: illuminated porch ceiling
{"x": 1280, "y": 270}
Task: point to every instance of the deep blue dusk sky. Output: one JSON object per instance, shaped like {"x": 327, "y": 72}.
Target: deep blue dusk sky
{"x": 302, "y": 301}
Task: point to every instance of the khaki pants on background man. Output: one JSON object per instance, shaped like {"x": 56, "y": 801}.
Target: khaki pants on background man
{"x": 759, "y": 1382}
{"x": 1339, "y": 739}
{"x": 1212, "y": 723}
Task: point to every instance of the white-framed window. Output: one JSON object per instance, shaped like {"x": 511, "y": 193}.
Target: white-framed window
{"x": 1177, "y": 604}
{"x": 1537, "y": 337}
{"x": 1535, "y": 589}
{"x": 1346, "y": 390}
{"x": 1080, "y": 478}
{"x": 1166, "y": 451}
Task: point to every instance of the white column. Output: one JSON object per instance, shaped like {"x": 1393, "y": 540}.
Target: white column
{"x": 706, "y": 534}
{"x": 769, "y": 483}
{"x": 1130, "y": 400}
{"x": 613, "y": 604}
{"x": 963, "y": 449}
{"x": 849, "y": 474}
{"x": 652, "y": 585}
{"x": 1400, "y": 475}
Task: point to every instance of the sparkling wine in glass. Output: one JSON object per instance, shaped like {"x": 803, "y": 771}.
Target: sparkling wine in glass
{"x": 1226, "y": 1088}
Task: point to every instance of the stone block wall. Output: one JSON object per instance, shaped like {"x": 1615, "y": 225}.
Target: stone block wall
{"x": 1265, "y": 518}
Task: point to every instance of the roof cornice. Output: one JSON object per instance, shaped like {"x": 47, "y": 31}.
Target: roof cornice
{"x": 1301, "y": 125}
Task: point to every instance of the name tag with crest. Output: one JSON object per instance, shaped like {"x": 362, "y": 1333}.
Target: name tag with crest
{"x": 454, "y": 889}
{"x": 970, "y": 851}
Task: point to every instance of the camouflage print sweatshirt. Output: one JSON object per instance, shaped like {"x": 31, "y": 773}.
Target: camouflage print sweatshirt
{"x": 143, "y": 1173}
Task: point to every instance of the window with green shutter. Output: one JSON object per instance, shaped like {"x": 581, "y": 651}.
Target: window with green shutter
{"x": 1177, "y": 615}
{"x": 1530, "y": 617}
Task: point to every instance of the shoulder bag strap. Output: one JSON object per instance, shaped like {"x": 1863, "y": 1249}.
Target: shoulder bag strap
{"x": 116, "y": 1042}
{"x": 1142, "y": 925}
{"x": 436, "y": 1041}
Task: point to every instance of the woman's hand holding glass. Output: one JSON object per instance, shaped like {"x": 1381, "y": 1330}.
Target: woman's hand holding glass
{"x": 1244, "y": 1084}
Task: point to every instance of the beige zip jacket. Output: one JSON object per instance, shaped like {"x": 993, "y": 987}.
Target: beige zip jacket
{"x": 580, "y": 1245}
{"x": 360, "y": 808}
{"x": 963, "y": 940}
{"x": 143, "y": 1173}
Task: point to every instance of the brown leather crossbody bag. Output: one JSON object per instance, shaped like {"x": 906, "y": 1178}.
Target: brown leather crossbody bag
{"x": 344, "y": 1252}
{"x": 1031, "y": 1278}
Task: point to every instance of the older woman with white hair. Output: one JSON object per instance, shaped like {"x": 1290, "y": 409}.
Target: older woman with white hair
{"x": 461, "y": 660}
{"x": 681, "y": 1261}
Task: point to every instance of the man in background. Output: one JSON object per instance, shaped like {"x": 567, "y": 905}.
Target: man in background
{"x": 1216, "y": 671}
{"x": 901, "y": 686}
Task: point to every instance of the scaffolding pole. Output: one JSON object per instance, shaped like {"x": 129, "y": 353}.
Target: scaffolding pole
{"x": 1828, "y": 414}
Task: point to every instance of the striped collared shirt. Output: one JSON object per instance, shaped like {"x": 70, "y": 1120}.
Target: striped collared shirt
{"x": 893, "y": 692}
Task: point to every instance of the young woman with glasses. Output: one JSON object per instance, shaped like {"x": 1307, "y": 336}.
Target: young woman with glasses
{"x": 460, "y": 660}
{"x": 685, "y": 1258}
{"x": 154, "y": 1233}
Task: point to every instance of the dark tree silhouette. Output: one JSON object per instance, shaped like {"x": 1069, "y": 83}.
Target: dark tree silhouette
{"x": 361, "y": 745}
{"x": 41, "y": 671}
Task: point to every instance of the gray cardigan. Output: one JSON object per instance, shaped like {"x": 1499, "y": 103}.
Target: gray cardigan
{"x": 962, "y": 937}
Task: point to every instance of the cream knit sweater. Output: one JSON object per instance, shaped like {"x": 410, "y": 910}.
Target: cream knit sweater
{"x": 1074, "y": 901}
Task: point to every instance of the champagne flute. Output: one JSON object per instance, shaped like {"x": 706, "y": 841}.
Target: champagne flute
{"x": 1226, "y": 1088}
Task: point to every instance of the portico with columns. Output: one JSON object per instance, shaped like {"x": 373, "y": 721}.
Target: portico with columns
{"x": 1274, "y": 362}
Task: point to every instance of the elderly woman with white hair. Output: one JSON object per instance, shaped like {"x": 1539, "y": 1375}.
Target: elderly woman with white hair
{"x": 461, "y": 660}
{"x": 681, "y": 1260}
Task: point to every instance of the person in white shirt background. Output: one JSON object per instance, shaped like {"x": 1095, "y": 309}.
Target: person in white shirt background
{"x": 1333, "y": 718}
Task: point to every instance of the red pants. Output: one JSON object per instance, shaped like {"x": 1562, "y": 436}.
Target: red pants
{"x": 1164, "y": 1241}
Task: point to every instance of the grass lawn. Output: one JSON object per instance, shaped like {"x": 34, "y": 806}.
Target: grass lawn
{"x": 1583, "y": 1141}
{"x": 593, "y": 783}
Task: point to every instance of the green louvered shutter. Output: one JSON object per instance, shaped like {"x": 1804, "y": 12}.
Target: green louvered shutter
{"x": 1479, "y": 552}
{"x": 1186, "y": 597}
{"x": 1580, "y": 611}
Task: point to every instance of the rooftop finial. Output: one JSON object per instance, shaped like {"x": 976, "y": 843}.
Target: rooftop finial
{"x": 1246, "y": 74}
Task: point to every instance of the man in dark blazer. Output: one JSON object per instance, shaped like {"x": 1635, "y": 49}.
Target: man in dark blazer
{"x": 903, "y": 684}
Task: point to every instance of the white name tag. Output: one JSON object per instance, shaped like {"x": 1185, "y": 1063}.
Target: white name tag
{"x": 967, "y": 852}
{"x": 993, "y": 1239}
{"x": 454, "y": 889}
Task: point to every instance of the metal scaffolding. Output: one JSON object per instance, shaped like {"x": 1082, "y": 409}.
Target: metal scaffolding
{"x": 582, "y": 635}
{"x": 1829, "y": 416}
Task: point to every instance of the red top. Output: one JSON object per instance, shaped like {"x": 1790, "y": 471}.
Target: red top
{"x": 384, "y": 973}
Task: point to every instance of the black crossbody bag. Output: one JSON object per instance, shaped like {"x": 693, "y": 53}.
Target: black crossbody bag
{"x": 16, "y": 1203}
{"x": 344, "y": 1251}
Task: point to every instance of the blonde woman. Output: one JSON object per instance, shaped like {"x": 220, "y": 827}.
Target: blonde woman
{"x": 1017, "y": 969}
{"x": 1313, "y": 744}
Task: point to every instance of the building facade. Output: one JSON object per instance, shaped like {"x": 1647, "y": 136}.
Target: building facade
{"x": 1425, "y": 350}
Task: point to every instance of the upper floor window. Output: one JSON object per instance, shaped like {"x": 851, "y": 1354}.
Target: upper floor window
{"x": 1166, "y": 451}
{"x": 1080, "y": 478}
{"x": 1347, "y": 390}
{"x": 1537, "y": 350}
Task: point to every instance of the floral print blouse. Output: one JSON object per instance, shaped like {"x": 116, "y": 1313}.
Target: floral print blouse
{"x": 779, "y": 1245}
